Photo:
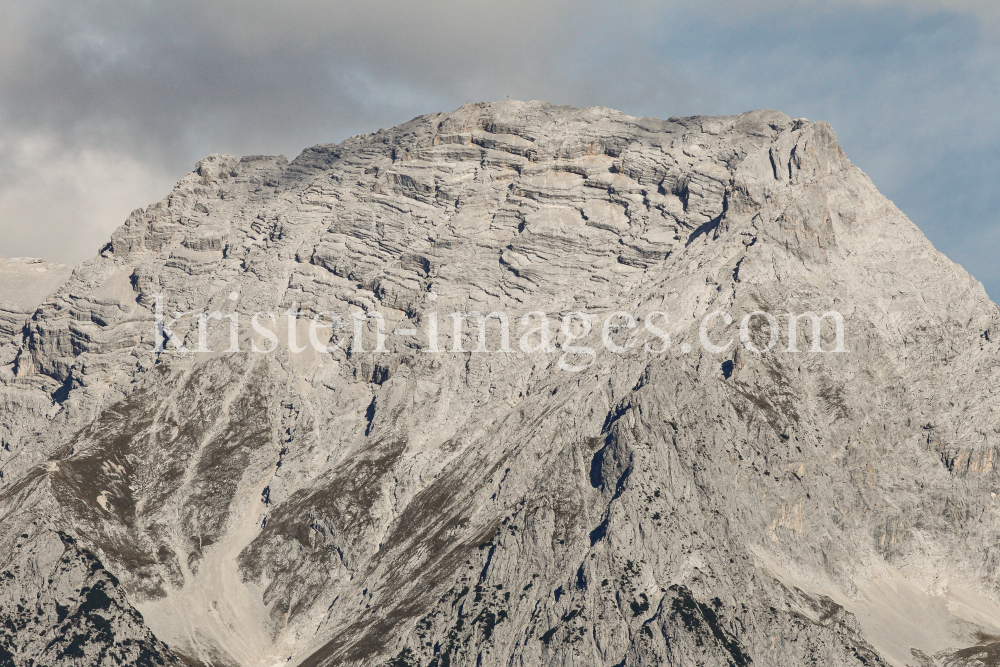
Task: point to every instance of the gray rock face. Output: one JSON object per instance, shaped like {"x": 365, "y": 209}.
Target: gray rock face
{"x": 24, "y": 284}
{"x": 61, "y": 607}
{"x": 405, "y": 506}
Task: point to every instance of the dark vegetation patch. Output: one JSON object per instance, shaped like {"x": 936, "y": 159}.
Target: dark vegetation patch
{"x": 702, "y": 621}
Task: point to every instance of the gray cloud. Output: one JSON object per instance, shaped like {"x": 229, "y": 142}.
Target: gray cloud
{"x": 104, "y": 105}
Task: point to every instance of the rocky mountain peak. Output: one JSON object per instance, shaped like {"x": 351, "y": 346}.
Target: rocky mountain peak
{"x": 517, "y": 384}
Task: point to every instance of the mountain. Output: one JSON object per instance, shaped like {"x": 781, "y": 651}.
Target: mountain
{"x": 680, "y": 485}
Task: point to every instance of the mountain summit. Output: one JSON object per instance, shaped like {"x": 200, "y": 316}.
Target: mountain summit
{"x": 514, "y": 385}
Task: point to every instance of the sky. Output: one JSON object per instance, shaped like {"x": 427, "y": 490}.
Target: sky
{"x": 105, "y": 105}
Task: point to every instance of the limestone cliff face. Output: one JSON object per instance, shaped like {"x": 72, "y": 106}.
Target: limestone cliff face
{"x": 501, "y": 507}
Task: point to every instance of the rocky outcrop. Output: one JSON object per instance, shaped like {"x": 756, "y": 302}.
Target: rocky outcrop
{"x": 59, "y": 606}
{"x": 642, "y": 504}
{"x": 25, "y": 283}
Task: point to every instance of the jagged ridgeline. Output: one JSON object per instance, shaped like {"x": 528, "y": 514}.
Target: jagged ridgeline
{"x": 224, "y": 487}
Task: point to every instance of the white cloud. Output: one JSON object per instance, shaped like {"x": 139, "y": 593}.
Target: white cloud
{"x": 62, "y": 205}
